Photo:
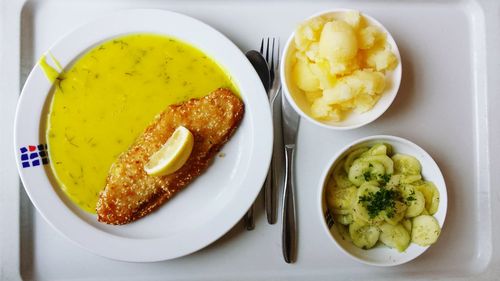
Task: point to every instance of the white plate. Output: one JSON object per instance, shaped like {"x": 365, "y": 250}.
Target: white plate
{"x": 197, "y": 216}
{"x": 381, "y": 255}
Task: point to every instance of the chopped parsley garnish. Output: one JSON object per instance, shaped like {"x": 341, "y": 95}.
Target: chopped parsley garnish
{"x": 382, "y": 179}
{"x": 385, "y": 178}
{"x": 410, "y": 198}
{"x": 382, "y": 200}
{"x": 367, "y": 175}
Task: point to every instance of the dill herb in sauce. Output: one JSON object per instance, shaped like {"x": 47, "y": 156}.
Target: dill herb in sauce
{"x": 109, "y": 95}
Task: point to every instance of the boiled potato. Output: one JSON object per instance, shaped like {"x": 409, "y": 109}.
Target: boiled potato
{"x": 338, "y": 42}
{"x": 365, "y": 103}
{"x": 301, "y": 56}
{"x": 321, "y": 70}
{"x": 340, "y": 64}
{"x": 321, "y": 110}
{"x": 353, "y": 18}
{"x": 348, "y": 105}
{"x": 366, "y": 82}
{"x": 304, "y": 78}
{"x": 312, "y": 96}
{"x": 317, "y": 24}
{"x": 369, "y": 36}
{"x": 304, "y": 35}
{"x": 341, "y": 92}
{"x": 312, "y": 53}
{"x": 381, "y": 58}
{"x": 308, "y": 32}
{"x": 339, "y": 68}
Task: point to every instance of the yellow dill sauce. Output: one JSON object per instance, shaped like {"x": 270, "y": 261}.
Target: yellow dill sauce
{"x": 108, "y": 97}
{"x": 51, "y": 73}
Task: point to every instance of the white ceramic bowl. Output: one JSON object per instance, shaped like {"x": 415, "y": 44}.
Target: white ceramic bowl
{"x": 381, "y": 255}
{"x": 354, "y": 120}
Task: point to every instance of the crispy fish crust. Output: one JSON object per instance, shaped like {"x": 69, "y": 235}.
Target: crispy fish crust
{"x": 130, "y": 193}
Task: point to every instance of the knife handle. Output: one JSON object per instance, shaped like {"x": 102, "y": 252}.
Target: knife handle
{"x": 289, "y": 235}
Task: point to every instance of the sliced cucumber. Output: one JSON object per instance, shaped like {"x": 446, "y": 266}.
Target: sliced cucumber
{"x": 359, "y": 210}
{"x": 364, "y": 236}
{"x": 395, "y": 236}
{"x": 361, "y": 171}
{"x": 416, "y": 206}
{"x": 410, "y": 178}
{"x": 340, "y": 200}
{"x": 366, "y": 189}
{"x": 414, "y": 199}
{"x": 370, "y": 169}
{"x": 425, "y": 230}
{"x": 353, "y": 156}
{"x": 395, "y": 216}
{"x": 343, "y": 219}
{"x": 393, "y": 182}
{"x": 406, "y": 164}
{"x": 389, "y": 149}
{"x": 340, "y": 176}
{"x": 357, "y": 218}
{"x": 417, "y": 183}
{"x": 431, "y": 195}
{"x": 344, "y": 232}
{"x": 378, "y": 149}
{"x": 407, "y": 225}
{"x": 384, "y": 160}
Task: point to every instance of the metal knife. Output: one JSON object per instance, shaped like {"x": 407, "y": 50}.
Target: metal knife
{"x": 290, "y": 128}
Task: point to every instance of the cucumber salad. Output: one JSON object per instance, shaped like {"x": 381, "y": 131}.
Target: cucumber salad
{"x": 375, "y": 195}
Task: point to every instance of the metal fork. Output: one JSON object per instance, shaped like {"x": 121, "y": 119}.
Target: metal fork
{"x": 270, "y": 49}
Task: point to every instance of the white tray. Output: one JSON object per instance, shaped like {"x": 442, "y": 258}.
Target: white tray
{"x": 447, "y": 104}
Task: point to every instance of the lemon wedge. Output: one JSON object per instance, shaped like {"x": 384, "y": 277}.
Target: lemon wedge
{"x": 172, "y": 155}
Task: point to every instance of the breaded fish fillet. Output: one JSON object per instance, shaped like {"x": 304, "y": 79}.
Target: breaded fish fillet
{"x": 130, "y": 193}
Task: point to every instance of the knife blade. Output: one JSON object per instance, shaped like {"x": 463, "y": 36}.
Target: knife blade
{"x": 290, "y": 123}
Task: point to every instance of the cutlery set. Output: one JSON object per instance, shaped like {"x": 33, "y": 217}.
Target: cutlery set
{"x": 267, "y": 65}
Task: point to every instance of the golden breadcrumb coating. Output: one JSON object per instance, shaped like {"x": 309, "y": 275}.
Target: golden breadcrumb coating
{"x": 130, "y": 193}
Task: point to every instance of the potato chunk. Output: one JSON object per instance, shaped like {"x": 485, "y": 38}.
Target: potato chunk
{"x": 353, "y": 18}
{"x": 304, "y": 78}
{"x": 368, "y": 36}
{"x": 381, "y": 58}
{"x": 308, "y": 32}
{"x": 321, "y": 70}
{"x": 338, "y": 42}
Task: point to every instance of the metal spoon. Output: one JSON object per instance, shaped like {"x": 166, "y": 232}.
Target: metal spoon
{"x": 260, "y": 65}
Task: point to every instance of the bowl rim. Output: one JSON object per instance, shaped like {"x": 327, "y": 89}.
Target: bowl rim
{"x": 285, "y": 88}
{"x": 443, "y": 204}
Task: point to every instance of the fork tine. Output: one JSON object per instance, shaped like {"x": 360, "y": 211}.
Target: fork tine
{"x": 278, "y": 54}
{"x": 271, "y": 67}
{"x": 262, "y": 46}
{"x": 267, "y": 50}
